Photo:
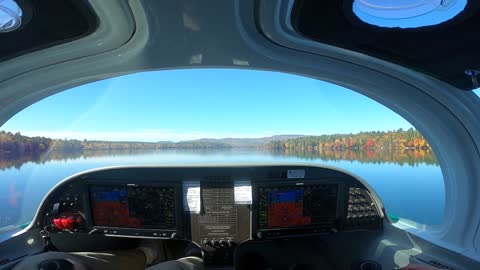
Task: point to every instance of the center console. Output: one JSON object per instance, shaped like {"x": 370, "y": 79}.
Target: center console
{"x": 222, "y": 221}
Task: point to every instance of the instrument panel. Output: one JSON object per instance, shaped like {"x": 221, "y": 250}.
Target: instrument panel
{"x": 216, "y": 207}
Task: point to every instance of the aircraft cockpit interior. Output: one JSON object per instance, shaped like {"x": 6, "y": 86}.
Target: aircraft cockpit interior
{"x": 233, "y": 134}
{"x": 229, "y": 217}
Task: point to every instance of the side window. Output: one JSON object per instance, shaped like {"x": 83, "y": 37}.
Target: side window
{"x": 215, "y": 115}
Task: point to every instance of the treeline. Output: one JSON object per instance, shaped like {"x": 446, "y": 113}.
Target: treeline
{"x": 390, "y": 140}
{"x": 105, "y": 145}
{"x": 18, "y": 144}
{"x": 377, "y": 140}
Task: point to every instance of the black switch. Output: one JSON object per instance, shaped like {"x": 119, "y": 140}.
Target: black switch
{"x": 56, "y": 208}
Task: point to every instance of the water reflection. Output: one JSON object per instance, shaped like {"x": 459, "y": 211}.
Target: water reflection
{"x": 406, "y": 157}
{"x": 399, "y": 157}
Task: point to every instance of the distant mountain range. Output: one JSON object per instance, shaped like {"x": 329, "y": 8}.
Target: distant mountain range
{"x": 246, "y": 142}
{"x": 19, "y": 144}
{"x": 396, "y": 139}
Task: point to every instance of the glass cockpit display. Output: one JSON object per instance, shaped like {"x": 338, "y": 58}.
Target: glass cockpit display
{"x": 297, "y": 206}
{"x": 133, "y": 207}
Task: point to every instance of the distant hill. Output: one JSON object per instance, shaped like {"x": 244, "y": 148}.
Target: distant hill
{"x": 373, "y": 140}
{"x": 246, "y": 142}
{"x": 18, "y": 144}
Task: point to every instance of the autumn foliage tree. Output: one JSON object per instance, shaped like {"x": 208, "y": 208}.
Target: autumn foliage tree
{"x": 392, "y": 140}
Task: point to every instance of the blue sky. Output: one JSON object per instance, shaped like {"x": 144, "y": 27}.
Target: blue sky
{"x": 191, "y": 104}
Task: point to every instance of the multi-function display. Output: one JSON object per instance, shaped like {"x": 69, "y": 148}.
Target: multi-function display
{"x": 297, "y": 206}
{"x": 133, "y": 207}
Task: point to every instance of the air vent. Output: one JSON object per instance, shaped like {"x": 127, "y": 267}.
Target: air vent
{"x": 440, "y": 265}
{"x": 433, "y": 262}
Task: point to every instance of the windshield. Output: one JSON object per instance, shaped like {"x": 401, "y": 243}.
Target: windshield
{"x": 214, "y": 115}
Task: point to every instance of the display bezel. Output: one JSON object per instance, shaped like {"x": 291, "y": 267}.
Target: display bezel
{"x": 150, "y": 232}
{"x": 297, "y": 230}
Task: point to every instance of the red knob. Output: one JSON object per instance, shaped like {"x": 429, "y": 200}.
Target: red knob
{"x": 58, "y": 223}
{"x": 68, "y": 223}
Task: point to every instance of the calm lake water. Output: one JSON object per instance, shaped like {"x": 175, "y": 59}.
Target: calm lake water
{"x": 409, "y": 183}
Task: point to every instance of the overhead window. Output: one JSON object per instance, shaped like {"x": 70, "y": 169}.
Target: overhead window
{"x": 407, "y": 13}
{"x": 27, "y": 26}
{"x": 10, "y": 15}
{"x": 434, "y": 37}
